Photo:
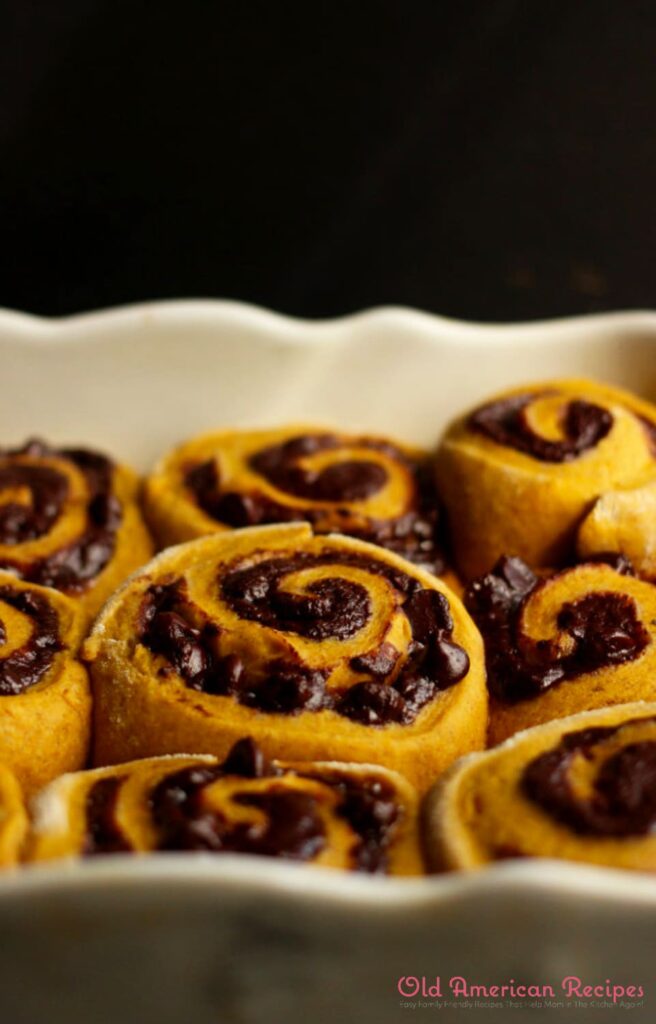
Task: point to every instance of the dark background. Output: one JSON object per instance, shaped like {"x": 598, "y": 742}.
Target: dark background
{"x": 491, "y": 160}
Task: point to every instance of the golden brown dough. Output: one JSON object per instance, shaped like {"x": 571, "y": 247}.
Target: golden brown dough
{"x": 623, "y": 522}
{"x": 319, "y": 647}
{"x": 69, "y": 519}
{"x": 579, "y": 639}
{"x": 353, "y": 817}
{"x": 519, "y": 473}
{"x": 45, "y": 700}
{"x": 581, "y": 789}
{"x": 368, "y": 487}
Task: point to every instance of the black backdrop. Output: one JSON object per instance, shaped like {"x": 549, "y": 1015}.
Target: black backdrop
{"x": 491, "y": 160}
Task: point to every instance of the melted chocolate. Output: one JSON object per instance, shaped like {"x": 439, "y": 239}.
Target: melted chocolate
{"x": 172, "y": 626}
{"x": 506, "y": 422}
{"x": 28, "y": 664}
{"x": 415, "y": 535}
{"x": 48, "y": 490}
{"x": 342, "y": 481}
{"x": 292, "y": 828}
{"x": 623, "y": 802}
{"x": 333, "y": 607}
{"x": 74, "y": 567}
{"x": 370, "y": 808}
{"x": 604, "y": 626}
{"x": 103, "y": 834}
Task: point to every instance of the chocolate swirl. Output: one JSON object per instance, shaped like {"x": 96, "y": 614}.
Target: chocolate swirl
{"x": 28, "y": 664}
{"x": 416, "y": 534}
{"x": 603, "y": 628}
{"x": 37, "y": 499}
{"x": 584, "y": 425}
{"x": 103, "y": 833}
{"x": 622, "y": 802}
{"x": 397, "y": 685}
{"x": 334, "y": 607}
{"x": 290, "y": 822}
{"x": 48, "y": 489}
{"x": 350, "y": 480}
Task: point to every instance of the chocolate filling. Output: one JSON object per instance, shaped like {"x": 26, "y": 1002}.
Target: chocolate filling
{"x": 342, "y": 481}
{"x": 172, "y": 626}
{"x": 28, "y": 664}
{"x": 584, "y": 426}
{"x": 604, "y": 626}
{"x": 48, "y": 490}
{"x": 74, "y": 567}
{"x": 292, "y": 829}
{"x": 416, "y": 535}
{"x": 623, "y": 802}
{"x": 332, "y": 607}
{"x": 370, "y": 808}
{"x": 103, "y": 834}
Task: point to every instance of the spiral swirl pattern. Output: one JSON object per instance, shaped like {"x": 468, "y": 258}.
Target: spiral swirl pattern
{"x": 366, "y": 487}
{"x": 583, "y": 788}
{"x": 23, "y": 664}
{"x": 341, "y": 816}
{"x": 68, "y": 520}
{"x": 316, "y": 646}
{"x": 518, "y": 474}
{"x": 572, "y": 641}
{"x": 599, "y": 781}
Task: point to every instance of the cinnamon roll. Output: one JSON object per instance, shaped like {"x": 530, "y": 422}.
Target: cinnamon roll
{"x": 353, "y": 817}
{"x": 319, "y": 647}
{"x": 519, "y": 473}
{"x": 367, "y": 487}
{"x": 579, "y": 639}
{"x": 69, "y": 520}
{"x": 45, "y": 700}
{"x": 582, "y": 788}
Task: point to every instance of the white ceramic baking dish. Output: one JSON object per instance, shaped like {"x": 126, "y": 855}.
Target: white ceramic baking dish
{"x": 191, "y": 938}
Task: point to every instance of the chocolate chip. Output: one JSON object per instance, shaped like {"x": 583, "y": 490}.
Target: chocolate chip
{"x": 417, "y": 691}
{"x": 449, "y": 662}
{"x": 372, "y": 703}
{"x": 246, "y": 759}
{"x": 379, "y": 662}
{"x": 428, "y": 613}
{"x": 288, "y": 689}
{"x": 604, "y": 625}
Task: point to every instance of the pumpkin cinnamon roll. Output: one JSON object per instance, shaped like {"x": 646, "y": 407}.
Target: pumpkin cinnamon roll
{"x": 579, "y": 639}
{"x": 519, "y": 473}
{"x": 582, "y": 789}
{"x": 353, "y": 817}
{"x": 69, "y": 520}
{"x": 45, "y": 700}
{"x": 13, "y": 819}
{"x": 319, "y": 647}
{"x": 367, "y": 487}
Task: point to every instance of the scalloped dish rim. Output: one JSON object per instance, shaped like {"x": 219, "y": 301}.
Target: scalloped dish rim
{"x": 258, "y": 873}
